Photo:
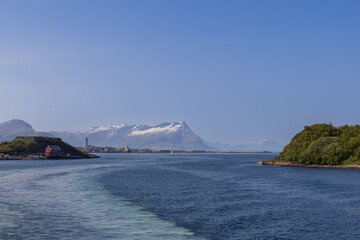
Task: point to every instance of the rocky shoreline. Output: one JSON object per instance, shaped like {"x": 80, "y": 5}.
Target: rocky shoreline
{"x": 291, "y": 164}
{"x": 38, "y": 157}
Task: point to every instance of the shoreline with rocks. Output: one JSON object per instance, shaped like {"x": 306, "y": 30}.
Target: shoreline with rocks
{"x": 292, "y": 164}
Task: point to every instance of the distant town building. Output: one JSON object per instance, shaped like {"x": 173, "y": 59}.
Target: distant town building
{"x": 86, "y": 144}
{"x": 54, "y": 151}
{"x": 127, "y": 149}
{"x": 109, "y": 149}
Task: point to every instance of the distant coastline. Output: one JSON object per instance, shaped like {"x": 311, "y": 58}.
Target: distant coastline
{"x": 42, "y": 157}
{"x": 169, "y": 151}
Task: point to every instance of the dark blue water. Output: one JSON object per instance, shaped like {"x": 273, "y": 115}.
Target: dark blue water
{"x": 186, "y": 196}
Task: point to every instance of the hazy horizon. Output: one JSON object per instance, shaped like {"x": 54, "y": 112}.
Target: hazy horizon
{"x": 235, "y": 71}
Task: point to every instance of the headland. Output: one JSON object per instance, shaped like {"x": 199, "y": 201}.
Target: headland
{"x": 322, "y": 146}
{"x": 34, "y": 147}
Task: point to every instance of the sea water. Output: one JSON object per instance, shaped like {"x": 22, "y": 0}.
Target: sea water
{"x": 184, "y": 196}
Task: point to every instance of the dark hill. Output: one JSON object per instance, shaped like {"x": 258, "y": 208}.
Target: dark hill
{"x": 37, "y": 145}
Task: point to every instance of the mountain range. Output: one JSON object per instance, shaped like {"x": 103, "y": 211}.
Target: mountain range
{"x": 263, "y": 145}
{"x": 175, "y": 135}
{"x": 167, "y": 135}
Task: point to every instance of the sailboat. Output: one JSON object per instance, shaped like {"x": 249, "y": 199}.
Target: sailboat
{"x": 171, "y": 152}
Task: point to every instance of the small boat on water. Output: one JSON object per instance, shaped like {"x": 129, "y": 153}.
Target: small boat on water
{"x": 171, "y": 153}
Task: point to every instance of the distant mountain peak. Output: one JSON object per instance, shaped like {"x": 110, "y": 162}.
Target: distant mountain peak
{"x": 17, "y": 127}
{"x": 16, "y": 122}
{"x": 164, "y": 128}
{"x": 106, "y": 128}
{"x": 259, "y": 143}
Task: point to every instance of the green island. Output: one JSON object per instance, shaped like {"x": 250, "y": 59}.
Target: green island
{"x": 322, "y": 145}
{"x": 29, "y": 148}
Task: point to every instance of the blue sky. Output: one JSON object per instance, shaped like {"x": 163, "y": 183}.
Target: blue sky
{"x": 235, "y": 71}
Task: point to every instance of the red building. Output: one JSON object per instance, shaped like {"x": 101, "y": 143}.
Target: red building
{"x": 54, "y": 151}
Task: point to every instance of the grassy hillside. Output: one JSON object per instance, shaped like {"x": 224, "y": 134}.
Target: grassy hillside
{"x": 34, "y": 145}
{"x": 324, "y": 144}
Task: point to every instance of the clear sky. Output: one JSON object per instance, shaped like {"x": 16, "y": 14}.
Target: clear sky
{"x": 235, "y": 71}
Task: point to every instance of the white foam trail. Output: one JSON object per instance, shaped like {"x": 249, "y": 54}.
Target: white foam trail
{"x": 72, "y": 192}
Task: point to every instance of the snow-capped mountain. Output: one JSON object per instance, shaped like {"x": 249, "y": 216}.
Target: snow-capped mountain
{"x": 263, "y": 145}
{"x": 175, "y": 135}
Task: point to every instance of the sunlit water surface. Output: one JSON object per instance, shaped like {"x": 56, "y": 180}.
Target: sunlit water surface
{"x": 184, "y": 196}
